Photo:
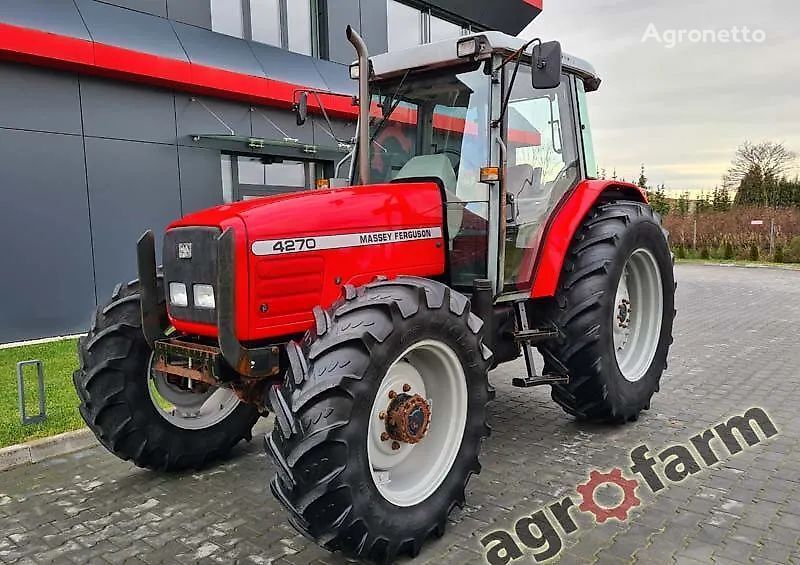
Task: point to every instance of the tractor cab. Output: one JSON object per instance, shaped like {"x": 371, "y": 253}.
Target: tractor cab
{"x": 500, "y": 124}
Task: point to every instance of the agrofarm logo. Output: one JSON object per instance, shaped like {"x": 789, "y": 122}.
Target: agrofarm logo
{"x": 542, "y": 533}
{"x": 671, "y": 38}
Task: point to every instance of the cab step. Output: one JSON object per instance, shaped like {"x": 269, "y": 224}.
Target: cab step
{"x": 528, "y": 382}
{"x": 528, "y": 337}
{"x": 536, "y": 335}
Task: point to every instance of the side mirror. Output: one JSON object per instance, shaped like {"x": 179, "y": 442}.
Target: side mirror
{"x": 546, "y": 65}
{"x": 301, "y": 108}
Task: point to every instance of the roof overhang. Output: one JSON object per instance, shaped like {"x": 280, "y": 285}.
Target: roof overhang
{"x": 444, "y": 53}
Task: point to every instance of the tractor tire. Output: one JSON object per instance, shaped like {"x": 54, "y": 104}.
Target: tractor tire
{"x": 118, "y": 405}
{"x": 616, "y": 336}
{"x": 335, "y": 475}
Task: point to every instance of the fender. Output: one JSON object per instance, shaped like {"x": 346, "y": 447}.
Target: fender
{"x": 564, "y": 223}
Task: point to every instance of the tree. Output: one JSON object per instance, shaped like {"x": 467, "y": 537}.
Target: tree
{"x": 658, "y": 200}
{"x": 683, "y": 205}
{"x": 720, "y": 199}
{"x": 769, "y": 159}
{"x": 751, "y": 189}
{"x": 757, "y": 170}
{"x": 642, "y": 182}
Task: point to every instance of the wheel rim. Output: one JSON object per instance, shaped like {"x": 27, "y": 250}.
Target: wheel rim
{"x": 187, "y": 409}
{"x": 411, "y": 473}
{"x": 637, "y": 315}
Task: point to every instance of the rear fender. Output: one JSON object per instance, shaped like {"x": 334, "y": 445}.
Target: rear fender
{"x": 566, "y": 221}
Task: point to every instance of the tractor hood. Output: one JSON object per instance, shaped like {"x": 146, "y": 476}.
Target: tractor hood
{"x": 296, "y": 251}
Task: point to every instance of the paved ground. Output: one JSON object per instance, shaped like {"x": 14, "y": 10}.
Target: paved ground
{"x": 736, "y": 346}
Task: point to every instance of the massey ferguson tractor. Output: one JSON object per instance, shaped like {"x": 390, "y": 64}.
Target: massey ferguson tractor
{"x": 367, "y": 317}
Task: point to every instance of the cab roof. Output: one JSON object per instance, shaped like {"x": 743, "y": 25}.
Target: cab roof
{"x": 443, "y": 53}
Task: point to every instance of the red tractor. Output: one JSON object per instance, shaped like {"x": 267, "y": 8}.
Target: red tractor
{"x": 368, "y": 317}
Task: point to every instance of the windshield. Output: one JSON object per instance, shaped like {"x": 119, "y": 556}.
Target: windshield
{"x": 440, "y": 119}
{"x": 435, "y": 126}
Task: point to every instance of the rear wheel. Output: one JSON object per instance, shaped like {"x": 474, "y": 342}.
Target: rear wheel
{"x": 615, "y": 306}
{"x": 380, "y": 420}
{"x": 141, "y": 414}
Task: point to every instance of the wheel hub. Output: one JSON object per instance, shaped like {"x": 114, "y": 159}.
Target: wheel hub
{"x": 407, "y": 418}
{"x": 624, "y": 314}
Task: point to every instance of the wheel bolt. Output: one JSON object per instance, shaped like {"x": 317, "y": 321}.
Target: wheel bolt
{"x": 382, "y": 415}
{"x": 406, "y": 387}
{"x": 395, "y": 445}
{"x": 392, "y": 394}
{"x": 385, "y": 436}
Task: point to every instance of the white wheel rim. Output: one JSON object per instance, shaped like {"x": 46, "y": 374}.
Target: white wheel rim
{"x": 186, "y": 409}
{"x": 637, "y": 315}
{"x": 411, "y": 474}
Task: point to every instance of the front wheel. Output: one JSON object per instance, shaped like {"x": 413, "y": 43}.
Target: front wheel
{"x": 141, "y": 414}
{"x": 615, "y": 306}
{"x": 380, "y": 421}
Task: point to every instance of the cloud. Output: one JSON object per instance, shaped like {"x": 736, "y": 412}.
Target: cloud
{"x": 682, "y": 111}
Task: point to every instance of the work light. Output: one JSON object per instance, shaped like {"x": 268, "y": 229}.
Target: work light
{"x": 178, "y": 295}
{"x": 204, "y": 296}
{"x": 467, "y": 47}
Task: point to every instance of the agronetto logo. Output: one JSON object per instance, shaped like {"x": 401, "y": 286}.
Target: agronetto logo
{"x": 542, "y": 533}
{"x": 671, "y": 38}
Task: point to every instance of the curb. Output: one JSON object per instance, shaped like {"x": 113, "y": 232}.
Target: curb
{"x": 775, "y": 266}
{"x": 45, "y": 448}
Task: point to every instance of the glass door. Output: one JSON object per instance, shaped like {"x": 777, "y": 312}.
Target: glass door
{"x": 255, "y": 177}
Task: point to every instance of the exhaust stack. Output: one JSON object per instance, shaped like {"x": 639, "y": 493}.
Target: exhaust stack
{"x": 363, "y": 103}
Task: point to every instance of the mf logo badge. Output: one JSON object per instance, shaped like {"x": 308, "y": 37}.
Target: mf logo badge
{"x": 184, "y": 251}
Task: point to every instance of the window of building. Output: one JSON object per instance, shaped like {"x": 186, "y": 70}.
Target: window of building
{"x": 227, "y": 17}
{"x": 245, "y": 177}
{"x": 409, "y": 27}
{"x": 405, "y": 26}
{"x": 289, "y": 24}
{"x": 265, "y": 21}
{"x": 440, "y": 29}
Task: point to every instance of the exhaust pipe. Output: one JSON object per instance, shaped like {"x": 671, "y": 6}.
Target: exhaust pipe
{"x": 363, "y": 103}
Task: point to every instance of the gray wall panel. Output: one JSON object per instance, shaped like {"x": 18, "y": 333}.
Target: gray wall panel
{"x": 127, "y": 111}
{"x": 47, "y": 286}
{"x": 194, "y": 119}
{"x": 132, "y": 30}
{"x": 56, "y": 16}
{"x": 217, "y": 50}
{"x": 342, "y": 13}
{"x": 337, "y": 76}
{"x": 201, "y": 178}
{"x": 284, "y": 120}
{"x": 194, "y": 12}
{"x": 132, "y": 187}
{"x": 155, "y": 7}
{"x": 39, "y": 99}
{"x": 286, "y": 66}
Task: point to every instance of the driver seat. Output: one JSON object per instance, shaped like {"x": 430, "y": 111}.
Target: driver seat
{"x": 439, "y": 168}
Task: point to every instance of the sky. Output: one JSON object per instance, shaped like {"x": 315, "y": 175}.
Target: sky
{"x": 683, "y": 110}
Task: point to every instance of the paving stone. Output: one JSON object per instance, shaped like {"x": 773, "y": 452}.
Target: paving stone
{"x": 735, "y": 347}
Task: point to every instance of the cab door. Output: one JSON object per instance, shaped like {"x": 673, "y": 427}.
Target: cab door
{"x": 543, "y": 164}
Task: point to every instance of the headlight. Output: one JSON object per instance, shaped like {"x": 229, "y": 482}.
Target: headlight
{"x": 178, "y": 295}
{"x": 204, "y": 296}
{"x": 467, "y": 47}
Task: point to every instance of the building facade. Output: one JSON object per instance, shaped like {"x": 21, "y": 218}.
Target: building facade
{"x": 121, "y": 115}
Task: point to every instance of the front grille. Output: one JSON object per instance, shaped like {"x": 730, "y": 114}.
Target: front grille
{"x": 200, "y": 268}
